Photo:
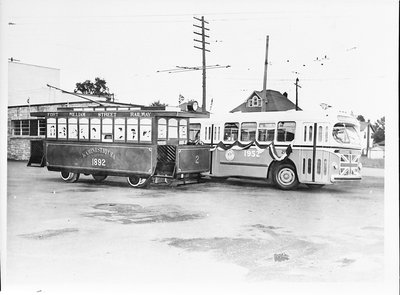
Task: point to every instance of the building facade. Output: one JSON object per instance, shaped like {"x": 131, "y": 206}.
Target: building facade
{"x": 366, "y": 131}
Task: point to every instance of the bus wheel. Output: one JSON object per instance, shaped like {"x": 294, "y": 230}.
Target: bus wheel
{"x": 138, "y": 182}
{"x": 69, "y": 176}
{"x": 99, "y": 178}
{"x": 285, "y": 177}
{"x": 314, "y": 185}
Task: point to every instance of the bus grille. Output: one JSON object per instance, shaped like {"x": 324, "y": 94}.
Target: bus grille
{"x": 166, "y": 154}
{"x": 349, "y": 164}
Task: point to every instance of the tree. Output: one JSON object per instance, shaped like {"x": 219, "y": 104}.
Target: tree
{"x": 158, "y": 103}
{"x": 361, "y": 118}
{"x": 98, "y": 88}
{"x": 379, "y": 134}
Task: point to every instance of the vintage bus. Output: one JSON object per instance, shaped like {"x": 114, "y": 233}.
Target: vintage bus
{"x": 143, "y": 145}
{"x": 288, "y": 147}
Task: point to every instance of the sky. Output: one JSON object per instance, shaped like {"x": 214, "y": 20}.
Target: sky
{"x": 127, "y": 42}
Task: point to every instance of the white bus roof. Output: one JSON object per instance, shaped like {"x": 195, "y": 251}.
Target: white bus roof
{"x": 291, "y": 115}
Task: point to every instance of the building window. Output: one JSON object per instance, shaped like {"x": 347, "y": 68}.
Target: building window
{"x": 28, "y": 127}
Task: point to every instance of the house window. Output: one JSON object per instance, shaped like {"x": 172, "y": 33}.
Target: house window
{"x": 28, "y": 127}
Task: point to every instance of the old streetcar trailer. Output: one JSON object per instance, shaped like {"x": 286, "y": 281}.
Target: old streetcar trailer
{"x": 142, "y": 145}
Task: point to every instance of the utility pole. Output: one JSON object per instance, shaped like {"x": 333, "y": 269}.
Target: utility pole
{"x": 203, "y": 49}
{"x": 297, "y": 96}
{"x": 264, "y": 98}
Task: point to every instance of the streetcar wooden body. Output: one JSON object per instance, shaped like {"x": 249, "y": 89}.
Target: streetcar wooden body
{"x": 142, "y": 145}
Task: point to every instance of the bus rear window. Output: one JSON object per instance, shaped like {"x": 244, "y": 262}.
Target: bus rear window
{"x": 286, "y": 131}
{"x": 231, "y": 131}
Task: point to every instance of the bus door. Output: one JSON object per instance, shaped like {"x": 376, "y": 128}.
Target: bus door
{"x": 314, "y": 157}
{"x": 321, "y": 153}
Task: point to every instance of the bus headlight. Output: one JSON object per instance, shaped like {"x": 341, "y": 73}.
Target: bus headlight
{"x": 335, "y": 165}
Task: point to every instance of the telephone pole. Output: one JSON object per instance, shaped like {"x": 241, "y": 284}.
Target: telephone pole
{"x": 297, "y": 98}
{"x": 203, "y": 49}
{"x": 264, "y": 99}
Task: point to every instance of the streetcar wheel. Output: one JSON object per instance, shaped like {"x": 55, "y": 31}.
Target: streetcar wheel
{"x": 314, "y": 185}
{"x": 285, "y": 177}
{"x": 69, "y": 176}
{"x": 99, "y": 178}
{"x": 138, "y": 182}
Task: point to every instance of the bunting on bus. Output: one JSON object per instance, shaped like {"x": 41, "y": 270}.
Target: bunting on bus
{"x": 261, "y": 148}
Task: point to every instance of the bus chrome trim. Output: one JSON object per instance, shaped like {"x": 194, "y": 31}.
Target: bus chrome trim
{"x": 243, "y": 164}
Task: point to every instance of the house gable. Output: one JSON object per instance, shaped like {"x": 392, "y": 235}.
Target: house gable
{"x": 275, "y": 102}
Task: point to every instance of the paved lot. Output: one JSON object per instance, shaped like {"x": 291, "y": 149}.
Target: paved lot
{"x": 88, "y": 233}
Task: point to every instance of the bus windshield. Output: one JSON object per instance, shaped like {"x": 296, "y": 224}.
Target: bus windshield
{"x": 345, "y": 133}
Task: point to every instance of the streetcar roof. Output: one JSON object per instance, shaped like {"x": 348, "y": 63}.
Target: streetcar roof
{"x": 134, "y": 112}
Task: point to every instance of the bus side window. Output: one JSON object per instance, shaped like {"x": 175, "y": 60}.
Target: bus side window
{"x": 62, "y": 128}
{"x": 266, "y": 131}
{"x": 94, "y": 129}
{"x": 83, "y": 129}
{"x": 183, "y": 131}
{"x": 119, "y": 129}
{"x": 145, "y": 130}
{"x": 51, "y": 128}
{"x": 286, "y": 131}
{"x": 72, "y": 128}
{"x": 132, "y": 134}
{"x": 106, "y": 133}
{"x": 231, "y": 131}
{"x": 248, "y": 131}
{"x": 194, "y": 131}
{"x": 319, "y": 133}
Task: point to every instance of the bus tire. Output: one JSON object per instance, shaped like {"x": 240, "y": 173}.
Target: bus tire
{"x": 285, "y": 177}
{"x": 314, "y": 185}
{"x": 99, "y": 178}
{"x": 138, "y": 182}
{"x": 69, "y": 176}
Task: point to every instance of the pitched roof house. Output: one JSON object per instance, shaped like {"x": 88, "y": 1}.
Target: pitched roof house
{"x": 275, "y": 102}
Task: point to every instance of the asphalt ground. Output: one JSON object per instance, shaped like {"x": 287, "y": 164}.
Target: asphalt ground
{"x": 86, "y": 233}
